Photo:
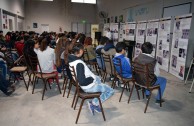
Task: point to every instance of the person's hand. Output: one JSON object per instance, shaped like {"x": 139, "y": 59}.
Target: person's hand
{"x": 3, "y": 49}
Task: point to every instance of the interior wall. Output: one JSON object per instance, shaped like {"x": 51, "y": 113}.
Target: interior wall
{"x": 144, "y": 10}
{"x": 58, "y": 13}
{"x": 13, "y": 6}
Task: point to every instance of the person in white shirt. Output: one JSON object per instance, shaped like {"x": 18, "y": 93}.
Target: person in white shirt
{"x": 46, "y": 57}
{"x": 108, "y": 34}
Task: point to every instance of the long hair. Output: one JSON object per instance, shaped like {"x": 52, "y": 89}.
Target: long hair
{"x": 88, "y": 41}
{"x": 43, "y": 44}
{"x": 68, "y": 50}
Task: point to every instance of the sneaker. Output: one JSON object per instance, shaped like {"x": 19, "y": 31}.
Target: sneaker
{"x": 91, "y": 107}
{"x": 158, "y": 101}
{"x": 97, "y": 109}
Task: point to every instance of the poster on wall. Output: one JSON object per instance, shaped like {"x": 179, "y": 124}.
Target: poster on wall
{"x": 122, "y": 32}
{"x": 105, "y": 29}
{"x": 130, "y": 31}
{"x": 152, "y": 34}
{"x": 140, "y": 36}
{"x": 45, "y": 27}
{"x": 179, "y": 46}
{"x": 163, "y": 43}
{"x": 114, "y": 28}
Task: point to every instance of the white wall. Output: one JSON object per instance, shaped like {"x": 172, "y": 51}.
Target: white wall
{"x": 154, "y": 10}
{"x": 13, "y": 6}
{"x": 59, "y": 13}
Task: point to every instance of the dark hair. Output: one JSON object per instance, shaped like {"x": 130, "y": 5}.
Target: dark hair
{"x": 1, "y": 31}
{"x": 43, "y": 44}
{"x": 120, "y": 46}
{"x": 102, "y": 40}
{"x": 105, "y": 39}
{"x": 77, "y": 47}
{"x": 88, "y": 41}
{"x": 147, "y": 48}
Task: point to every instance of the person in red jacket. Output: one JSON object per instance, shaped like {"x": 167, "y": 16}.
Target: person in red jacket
{"x": 19, "y": 45}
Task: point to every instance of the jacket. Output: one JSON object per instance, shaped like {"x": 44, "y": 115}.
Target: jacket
{"x": 126, "y": 67}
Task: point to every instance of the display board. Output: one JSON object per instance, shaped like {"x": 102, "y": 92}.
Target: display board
{"x": 152, "y": 34}
{"x": 106, "y": 27}
{"x": 163, "y": 43}
{"x": 130, "y": 31}
{"x": 114, "y": 28}
{"x": 179, "y": 46}
{"x": 140, "y": 36}
{"x": 122, "y": 32}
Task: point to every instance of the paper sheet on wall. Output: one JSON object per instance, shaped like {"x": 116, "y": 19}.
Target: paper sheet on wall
{"x": 140, "y": 36}
{"x": 45, "y": 27}
{"x": 106, "y": 27}
{"x": 122, "y": 32}
{"x": 130, "y": 31}
{"x": 152, "y": 34}
{"x": 163, "y": 43}
{"x": 179, "y": 46}
{"x": 114, "y": 27}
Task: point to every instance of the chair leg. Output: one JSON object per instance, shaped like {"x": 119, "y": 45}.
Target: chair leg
{"x": 148, "y": 102}
{"x": 80, "y": 108}
{"x": 131, "y": 93}
{"x": 137, "y": 93}
{"x": 143, "y": 92}
{"x": 22, "y": 75}
{"x": 191, "y": 86}
{"x": 59, "y": 87}
{"x": 34, "y": 83}
{"x": 74, "y": 98}
{"x": 76, "y": 102}
{"x": 122, "y": 92}
{"x": 64, "y": 82}
{"x": 70, "y": 85}
{"x": 49, "y": 84}
{"x": 160, "y": 96}
{"x": 65, "y": 87}
{"x": 105, "y": 75}
{"x": 102, "y": 109}
{"x": 113, "y": 83}
{"x": 44, "y": 89}
{"x": 96, "y": 69}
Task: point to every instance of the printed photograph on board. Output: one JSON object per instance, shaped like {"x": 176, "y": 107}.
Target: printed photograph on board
{"x": 165, "y": 54}
{"x": 185, "y": 34}
{"x": 177, "y": 25}
{"x": 176, "y": 43}
{"x": 182, "y": 53}
{"x": 159, "y": 59}
{"x": 174, "y": 61}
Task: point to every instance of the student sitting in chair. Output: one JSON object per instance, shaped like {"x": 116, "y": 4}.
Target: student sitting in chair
{"x": 146, "y": 58}
{"x": 88, "y": 81}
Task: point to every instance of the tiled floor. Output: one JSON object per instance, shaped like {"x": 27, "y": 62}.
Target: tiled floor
{"x": 26, "y": 109}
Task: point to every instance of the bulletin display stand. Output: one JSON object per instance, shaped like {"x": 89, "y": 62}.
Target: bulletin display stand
{"x": 179, "y": 45}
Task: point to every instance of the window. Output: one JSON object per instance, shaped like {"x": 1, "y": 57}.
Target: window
{"x": 84, "y": 1}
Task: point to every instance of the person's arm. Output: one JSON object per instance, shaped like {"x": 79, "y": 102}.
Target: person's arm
{"x": 157, "y": 70}
{"x": 98, "y": 51}
{"x": 83, "y": 81}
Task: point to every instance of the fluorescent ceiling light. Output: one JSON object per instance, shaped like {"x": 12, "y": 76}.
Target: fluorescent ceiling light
{"x": 84, "y": 1}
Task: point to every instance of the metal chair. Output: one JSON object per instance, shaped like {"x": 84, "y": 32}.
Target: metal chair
{"x": 34, "y": 63}
{"x": 192, "y": 64}
{"x": 141, "y": 69}
{"x": 83, "y": 95}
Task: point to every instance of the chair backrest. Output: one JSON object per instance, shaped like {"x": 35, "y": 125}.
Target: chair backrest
{"x": 72, "y": 70}
{"x": 100, "y": 61}
{"x": 34, "y": 64}
{"x": 85, "y": 56}
{"x": 141, "y": 74}
{"x": 108, "y": 63}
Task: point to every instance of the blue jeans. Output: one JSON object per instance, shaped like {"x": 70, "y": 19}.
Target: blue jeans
{"x": 106, "y": 91}
{"x": 3, "y": 68}
{"x": 162, "y": 82}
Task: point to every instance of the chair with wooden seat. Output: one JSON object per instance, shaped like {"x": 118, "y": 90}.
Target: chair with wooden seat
{"x": 90, "y": 63}
{"x": 65, "y": 82}
{"x": 142, "y": 71}
{"x": 118, "y": 76}
{"x": 15, "y": 67}
{"x": 34, "y": 64}
{"x": 109, "y": 69}
{"x": 83, "y": 95}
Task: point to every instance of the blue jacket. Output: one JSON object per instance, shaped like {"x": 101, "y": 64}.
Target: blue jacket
{"x": 126, "y": 67}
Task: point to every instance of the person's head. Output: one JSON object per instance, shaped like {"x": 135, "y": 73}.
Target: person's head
{"x": 147, "y": 48}
{"x": 78, "y": 49}
{"x": 36, "y": 45}
{"x": 120, "y": 47}
{"x": 21, "y": 39}
{"x": 44, "y": 44}
{"x": 103, "y": 40}
{"x": 88, "y": 41}
{"x": 1, "y": 32}
{"x": 29, "y": 46}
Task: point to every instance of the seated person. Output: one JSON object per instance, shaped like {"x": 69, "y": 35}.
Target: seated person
{"x": 88, "y": 46}
{"x": 146, "y": 58}
{"x": 126, "y": 67}
{"x": 46, "y": 57}
{"x": 19, "y": 45}
{"x": 99, "y": 58}
{"x": 87, "y": 80}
